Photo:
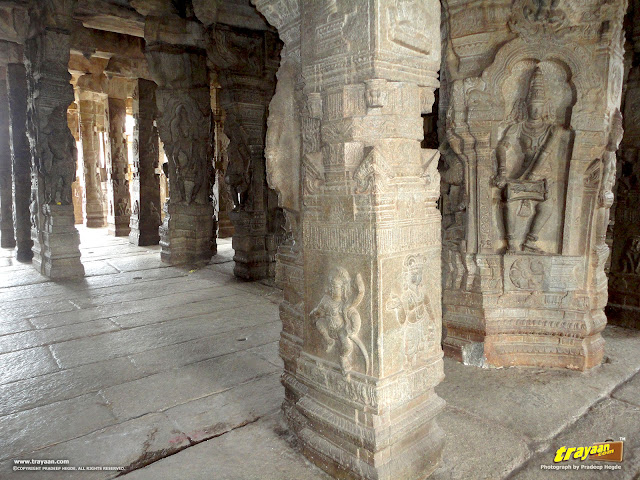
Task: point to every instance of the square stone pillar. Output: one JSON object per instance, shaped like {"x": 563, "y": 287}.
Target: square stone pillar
{"x": 91, "y": 106}
{"x": 7, "y": 236}
{"x": 184, "y": 124}
{"x": 52, "y": 146}
{"x": 361, "y": 344}
{"x": 531, "y": 121}
{"x": 145, "y": 196}
{"x": 21, "y": 159}
{"x": 118, "y": 195}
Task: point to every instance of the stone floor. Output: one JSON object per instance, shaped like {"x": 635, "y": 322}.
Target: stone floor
{"x": 172, "y": 374}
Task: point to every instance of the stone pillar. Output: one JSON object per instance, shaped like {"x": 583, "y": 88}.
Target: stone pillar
{"x": 360, "y": 380}
{"x": 7, "y": 237}
{"x": 53, "y": 150}
{"x": 73, "y": 118}
{"x": 21, "y": 159}
{"x": 624, "y": 275}
{"x": 91, "y": 106}
{"x": 246, "y": 63}
{"x": 145, "y": 195}
{"x": 531, "y": 118}
{"x": 118, "y": 197}
{"x": 179, "y": 69}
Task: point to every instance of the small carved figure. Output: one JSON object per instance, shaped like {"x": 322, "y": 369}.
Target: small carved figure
{"x": 58, "y": 158}
{"x": 336, "y": 316}
{"x": 417, "y": 313}
{"x": 534, "y": 145}
{"x": 631, "y": 256}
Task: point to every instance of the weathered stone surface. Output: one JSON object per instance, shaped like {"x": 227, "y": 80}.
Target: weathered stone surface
{"x": 531, "y": 124}
{"x": 7, "y": 236}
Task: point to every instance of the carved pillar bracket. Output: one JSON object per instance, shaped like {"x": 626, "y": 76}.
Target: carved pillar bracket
{"x": 21, "y": 159}
{"x": 363, "y": 356}
{"x": 624, "y": 275}
{"x": 52, "y": 146}
{"x": 246, "y": 64}
{"x": 531, "y": 117}
{"x": 145, "y": 199}
{"x": 184, "y": 124}
{"x": 7, "y": 237}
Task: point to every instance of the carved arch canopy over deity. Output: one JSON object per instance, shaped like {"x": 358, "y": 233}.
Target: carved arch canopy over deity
{"x": 532, "y": 162}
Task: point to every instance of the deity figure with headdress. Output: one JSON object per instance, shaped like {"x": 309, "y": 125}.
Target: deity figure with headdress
{"x": 528, "y": 157}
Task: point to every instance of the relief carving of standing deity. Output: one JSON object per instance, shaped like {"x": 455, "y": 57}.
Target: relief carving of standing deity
{"x": 413, "y": 310}
{"x": 337, "y": 318}
{"x": 528, "y": 155}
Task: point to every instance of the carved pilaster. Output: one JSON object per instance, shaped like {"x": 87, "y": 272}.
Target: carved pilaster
{"x": 531, "y": 121}
{"x": 246, "y": 64}
{"x": 21, "y": 159}
{"x": 362, "y": 343}
{"x": 7, "y": 237}
{"x": 145, "y": 196}
{"x": 91, "y": 107}
{"x": 52, "y": 146}
{"x": 184, "y": 124}
{"x": 118, "y": 197}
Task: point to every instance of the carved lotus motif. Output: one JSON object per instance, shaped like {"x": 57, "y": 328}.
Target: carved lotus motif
{"x": 527, "y": 274}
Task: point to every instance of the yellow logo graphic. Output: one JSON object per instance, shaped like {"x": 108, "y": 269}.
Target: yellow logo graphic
{"x": 606, "y": 452}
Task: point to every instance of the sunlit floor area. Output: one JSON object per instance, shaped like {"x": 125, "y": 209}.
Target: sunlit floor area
{"x": 170, "y": 373}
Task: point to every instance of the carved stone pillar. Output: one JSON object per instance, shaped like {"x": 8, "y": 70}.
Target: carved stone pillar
{"x": 184, "y": 124}
{"x": 531, "y": 119}
{"x": 246, "y": 63}
{"x": 145, "y": 195}
{"x": 91, "y": 107}
{"x": 360, "y": 384}
{"x": 624, "y": 278}
{"x": 73, "y": 118}
{"x": 118, "y": 197}
{"x": 7, "y": 237}
{"x": 21, "y": 159}
{"x": 53, "y": 151}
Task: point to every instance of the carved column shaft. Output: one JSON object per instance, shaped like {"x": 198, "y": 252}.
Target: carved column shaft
{"x": 624, "y": 275}
{"x": 21, "y": 159}
{"x": 7, "y": 237}
{"x": 53, "y": 152}
{"x": 91, "y": 106}
{"x": 145, "y": 199}
{"x": 118, "y": 196}
{"x": 361, "y": 396}
{"x": 184, "y": 124}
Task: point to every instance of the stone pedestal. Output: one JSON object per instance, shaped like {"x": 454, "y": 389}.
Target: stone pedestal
{"x": 118, "y": 196}
{"x": 361, "y": 339}
{"x": 21, "y": 158}
{"x": 531, "y": 123}
{"x": 624, "y": 275}
{"x": 91, "y": 107}
{"x": 184, "y": 125}
{"x": 7, "y": 237}
{"x": 145, "y": 191}
{"x": 53, "y": 152}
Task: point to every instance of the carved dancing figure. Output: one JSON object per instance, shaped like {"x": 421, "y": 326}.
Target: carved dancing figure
{"x": 58, "y": 158}
{"x": 631, "y": 257}
{"x": 336, "y": 316}
{"x": 534, "y": 147}
{"x": 417, "y": 316}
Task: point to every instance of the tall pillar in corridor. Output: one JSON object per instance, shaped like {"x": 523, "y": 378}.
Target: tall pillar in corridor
{"x": 145, "y": 199}
{"x": 360, "y": 387}
{"x": 531, "y": 117}
{"x": 624, "y": 275}
{"x": 178, "y": 66}
{"x": 53, "y": 150}
{"x": 246, "y": 64}
{"x": 7, "y": 237}
{"x": 118, "y": 197}
{"x": 91, "y": 106}
{"x": 21, "y": 159}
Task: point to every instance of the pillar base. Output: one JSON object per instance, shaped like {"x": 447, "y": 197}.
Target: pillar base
{"x": 624, "y": 300}
{"x": 185, "y": 235}
{"x": 252, "y": 259}
{"x": 7, "y": 239}
{"x": 144, "y": 237}
{"x": 24, "y": 255}
{"x": 56, "y": 252}
{"x": 120, "y": 228}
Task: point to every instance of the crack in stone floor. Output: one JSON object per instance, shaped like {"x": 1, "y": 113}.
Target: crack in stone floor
{"x": 140, "y": 366}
